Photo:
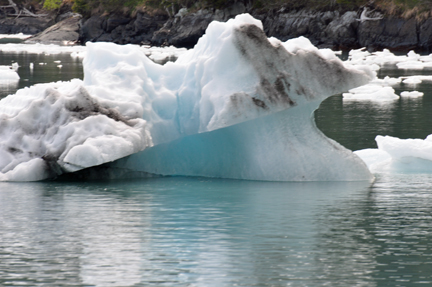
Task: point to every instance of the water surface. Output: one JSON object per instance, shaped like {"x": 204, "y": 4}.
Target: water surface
{"x": 207, "y": 232}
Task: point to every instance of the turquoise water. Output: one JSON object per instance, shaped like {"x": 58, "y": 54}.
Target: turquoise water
{"x": 207, "y": 232}
{"x": 201, "y": 232}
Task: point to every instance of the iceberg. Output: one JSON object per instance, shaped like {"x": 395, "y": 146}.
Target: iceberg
{"x": 239, "y": 105}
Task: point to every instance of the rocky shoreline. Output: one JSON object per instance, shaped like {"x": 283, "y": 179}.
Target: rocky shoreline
{"x": 331, "y": 29}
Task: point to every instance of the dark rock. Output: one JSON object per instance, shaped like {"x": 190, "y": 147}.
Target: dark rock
{"x": 92, "y": 28}
{"x": 115, "y": 21}
{"x": 341, "y": 32}
{"x": 25, "y": 25}
{"x": 394, "y": 33}
{"x": 64, "y": 32}
{"x": 185, "y": 31}
{"x": 425, "y": 35}
{"x": 326, "y": 29}
{"x": 66, "y": 15}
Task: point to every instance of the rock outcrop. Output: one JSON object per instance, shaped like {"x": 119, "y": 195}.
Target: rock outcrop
{"x": 332, "y": 29}
{"x": 25, "y": 25}
{"x": 65, "y": 32}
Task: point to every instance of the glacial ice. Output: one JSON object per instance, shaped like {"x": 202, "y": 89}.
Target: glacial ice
{"x": 238, "y": 105}
{"x": 395, "y": 155}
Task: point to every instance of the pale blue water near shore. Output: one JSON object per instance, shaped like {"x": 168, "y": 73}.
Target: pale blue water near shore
{"x": 214, "y": 232}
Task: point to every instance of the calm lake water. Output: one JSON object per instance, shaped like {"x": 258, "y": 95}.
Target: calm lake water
{"x": 213, "y": 232}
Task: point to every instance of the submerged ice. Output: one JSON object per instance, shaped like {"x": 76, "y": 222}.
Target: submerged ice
{"x": 238, "y": 105}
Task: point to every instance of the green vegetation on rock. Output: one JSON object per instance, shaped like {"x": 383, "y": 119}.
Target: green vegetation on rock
{"x": 52, "y": 4}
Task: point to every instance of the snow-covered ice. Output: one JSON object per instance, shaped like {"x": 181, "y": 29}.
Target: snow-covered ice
{"x": 238, "y": 105}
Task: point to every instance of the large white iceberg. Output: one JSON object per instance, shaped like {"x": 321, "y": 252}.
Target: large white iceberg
{"x": 238, "y": 105}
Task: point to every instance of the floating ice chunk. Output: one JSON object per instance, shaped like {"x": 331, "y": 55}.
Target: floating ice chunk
{"x": 386, "y": 57}
{"x": 412, "y": 80}
{"x": 412, "y": 61}
{"x": 371, "y": 92}
{"x": 15, "y": 66}
{"x": 412, "y": 94}
{"x": 14, "y": 36}
{"x": 78, "y": 55}
{"x": 411, "y": 65}
{"x": 7, "y": 73}
{"x": 358, "y": 54}
{"x": 387, "y": 81}
{"x": 416, "y": 79}
{"x": 41, "y": 48}
{"x": 413, "y": 55}
{"x": 396, "y": 155}
{"x": 400, "y": 148}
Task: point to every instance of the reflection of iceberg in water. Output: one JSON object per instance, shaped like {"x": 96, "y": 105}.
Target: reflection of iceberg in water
{"x": 238, "y": 105}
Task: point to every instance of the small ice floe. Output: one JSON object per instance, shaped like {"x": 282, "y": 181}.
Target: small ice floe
{"x": 395, "y": 155}
{"x": 14, "y": 36}
{"x": 59, "y": 66}
{"x": 57, "y": 61}
{"x": 78, "y": 54}
{"x": 40, "y": 48}
{"x": 411, "y": 61}
{"x": 411, "y": 65}
{"x": 380, "y": 58}
{"x": 371, "y": 92}
{"x": 387, "y": 81}
{"x": 412, "y": 94}
{"x": 8, "y": 74}
{"x": 414, "y": 80}
{"x": 15, "y": 66}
